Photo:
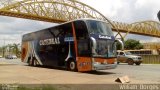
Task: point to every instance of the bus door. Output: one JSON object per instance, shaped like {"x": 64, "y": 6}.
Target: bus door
{"x": 83, "y": 47}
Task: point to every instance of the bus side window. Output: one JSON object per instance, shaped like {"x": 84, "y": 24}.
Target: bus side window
{"x": 82, "y": 38}
{"x": 81, "y": 30}
{"x": 68, "y": 30}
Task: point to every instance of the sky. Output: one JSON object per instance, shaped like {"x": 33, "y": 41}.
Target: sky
{"x": 128, "y": 11}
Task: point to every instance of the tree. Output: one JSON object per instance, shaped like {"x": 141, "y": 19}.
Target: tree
{"x": 118, "y": 46}
{"x": 133, "y": 44}
{"x": 130, "y": 44}
{"x": 10, "y": 49}
{"x": 15, "y": 49}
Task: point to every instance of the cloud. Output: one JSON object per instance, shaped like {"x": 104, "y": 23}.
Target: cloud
{"x": 143, "y": 39}
{"x": 21, "y": 25}
{"x": 140, "y": 10}
{"x": 12, "y": 29}
{"x": 150, "y": 8}
{"x": 127, "y": 10}
{"x": 5, "y": 20}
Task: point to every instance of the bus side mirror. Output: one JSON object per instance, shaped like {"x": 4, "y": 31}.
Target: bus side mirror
{"x": 121, "y": 42}
{"x": 94, "y": 45}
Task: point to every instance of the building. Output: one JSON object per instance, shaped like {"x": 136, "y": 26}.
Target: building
{"x": 151, "y": 45}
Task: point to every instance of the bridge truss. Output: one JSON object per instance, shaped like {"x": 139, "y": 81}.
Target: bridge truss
{"x": 59, "y": 11}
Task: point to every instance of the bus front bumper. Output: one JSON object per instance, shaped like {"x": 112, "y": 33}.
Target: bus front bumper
{"x": 104, "y": 66}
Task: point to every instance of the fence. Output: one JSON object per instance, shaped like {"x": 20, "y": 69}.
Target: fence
{"x": 151, "y": 59}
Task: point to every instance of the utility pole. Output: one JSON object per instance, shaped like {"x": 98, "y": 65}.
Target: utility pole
{"x": 4, "y": 48}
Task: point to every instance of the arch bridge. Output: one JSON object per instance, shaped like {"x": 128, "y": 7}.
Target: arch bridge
{"x": 59, "y": 11}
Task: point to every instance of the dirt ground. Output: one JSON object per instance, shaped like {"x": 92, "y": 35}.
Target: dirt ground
{"x": 14, "y": 71}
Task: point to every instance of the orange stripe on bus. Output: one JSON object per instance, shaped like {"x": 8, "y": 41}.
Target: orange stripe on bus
{"x": 75, "y": 40}
{"x": 24, "y": 50}
{"x": 84, "y": 64}
{"x": 102, "y": 60}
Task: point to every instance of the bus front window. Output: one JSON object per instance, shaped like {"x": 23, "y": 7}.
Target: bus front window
{"x": 105, "y": 49}
{"x": 105, "y": 46}
{"x": 99, "y": 27}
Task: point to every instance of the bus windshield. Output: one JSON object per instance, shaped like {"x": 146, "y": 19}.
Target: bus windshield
{"x": 105, "y": 49}
{"x": 99, "y": 27}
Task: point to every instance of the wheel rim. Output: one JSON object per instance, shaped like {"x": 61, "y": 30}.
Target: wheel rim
{"x": 72, "y": 65}
{"x": 34, "y": 63}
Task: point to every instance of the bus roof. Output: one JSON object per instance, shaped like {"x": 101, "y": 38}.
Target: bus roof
{"x": 82, "y": 19}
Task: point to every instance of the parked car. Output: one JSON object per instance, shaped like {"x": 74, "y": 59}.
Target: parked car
{"x": 11, "y": 57}
{"x": 127, "y": 57}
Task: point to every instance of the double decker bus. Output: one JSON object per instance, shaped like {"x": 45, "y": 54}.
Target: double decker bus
{"x": 83, "y": 45}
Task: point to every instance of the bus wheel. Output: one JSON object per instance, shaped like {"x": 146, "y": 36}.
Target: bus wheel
{"x": 72, "y": 66}
{"x": 130, "y": 62}
{"x": 30, "y": 63}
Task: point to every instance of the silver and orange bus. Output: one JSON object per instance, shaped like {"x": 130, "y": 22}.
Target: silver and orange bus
{"x": 83, "y": 45}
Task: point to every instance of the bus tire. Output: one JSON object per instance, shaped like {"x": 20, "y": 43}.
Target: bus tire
{"x": 29, "y": 61}
{"x": 72, "y": 65}
{"x": 32, "y": 62}
{"x": 130, "y": 61}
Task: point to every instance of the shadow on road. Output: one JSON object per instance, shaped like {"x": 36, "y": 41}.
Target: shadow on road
{"x": 48, "y": 67}
{"x": 63, "y": 69}
{"x": 99, "y": 73}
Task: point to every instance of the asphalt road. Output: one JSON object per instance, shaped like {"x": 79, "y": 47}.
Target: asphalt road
{"x": 14, "y": 71}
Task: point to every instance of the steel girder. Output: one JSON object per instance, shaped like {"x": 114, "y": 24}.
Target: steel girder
{"x": 59, "y": 11}
{"x": 147, "y": 28}
{"x": 50, "y": 10}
